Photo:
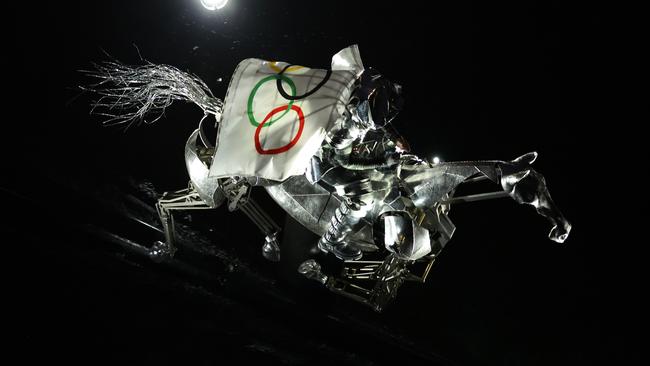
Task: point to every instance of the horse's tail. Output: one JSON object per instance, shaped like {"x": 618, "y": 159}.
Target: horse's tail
{"x": 129, "y": 94}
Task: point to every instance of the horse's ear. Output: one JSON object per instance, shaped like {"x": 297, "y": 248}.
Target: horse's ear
{"x": 511, "y": 179}
{"x": 527, "y": 159}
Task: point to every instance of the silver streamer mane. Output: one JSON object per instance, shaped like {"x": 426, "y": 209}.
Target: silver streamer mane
{"x": 127, "y": 94}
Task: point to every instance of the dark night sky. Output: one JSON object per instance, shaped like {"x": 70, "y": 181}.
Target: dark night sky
{"x": 482, "y": 81}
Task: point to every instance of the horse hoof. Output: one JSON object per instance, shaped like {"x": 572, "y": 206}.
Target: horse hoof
{"x": 271, "y": 251}
{"x": 161, "y": 251}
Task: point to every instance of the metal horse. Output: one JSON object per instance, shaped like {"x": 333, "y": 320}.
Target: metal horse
{"x": 400, "y": 236}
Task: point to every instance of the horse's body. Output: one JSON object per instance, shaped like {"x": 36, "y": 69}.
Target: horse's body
{"x": 403, "y": 226}
{"x": 423, "y": 191}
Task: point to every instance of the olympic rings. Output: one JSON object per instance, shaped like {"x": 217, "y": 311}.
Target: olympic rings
{"x": 278, "y": 150}
{"x": 251, "y": 97}
{"x": 268, "y": 120}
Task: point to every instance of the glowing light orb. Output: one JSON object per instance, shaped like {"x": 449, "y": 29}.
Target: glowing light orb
{"x": 214, "y": 4}
{"x": 435, "y": 160}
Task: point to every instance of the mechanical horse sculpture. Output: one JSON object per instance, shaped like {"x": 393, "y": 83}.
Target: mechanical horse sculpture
{"x": 335, "y": 164}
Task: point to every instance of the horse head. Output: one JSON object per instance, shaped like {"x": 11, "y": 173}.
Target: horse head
{"x": 527, "y": 186}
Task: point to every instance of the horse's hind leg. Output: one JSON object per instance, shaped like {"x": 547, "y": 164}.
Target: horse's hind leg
{"x": 270, "y": 249}
{"x": 237, "y": 191}
{"x": 184, "y": 199}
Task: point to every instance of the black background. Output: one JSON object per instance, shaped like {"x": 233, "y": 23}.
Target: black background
{"x": 482, "y": 81}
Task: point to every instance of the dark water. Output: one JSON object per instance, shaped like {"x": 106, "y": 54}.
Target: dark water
{"x": 482, "y": 81}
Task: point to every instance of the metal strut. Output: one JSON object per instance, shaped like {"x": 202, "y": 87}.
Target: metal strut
{"x": 189, "y": 199}
{"x": 477, "y": 197}
{"x": 270, "y": 249}
{"x": 184, "y": 199}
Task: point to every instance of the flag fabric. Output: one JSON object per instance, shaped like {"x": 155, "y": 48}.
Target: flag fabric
{"x": 270, "y": 129}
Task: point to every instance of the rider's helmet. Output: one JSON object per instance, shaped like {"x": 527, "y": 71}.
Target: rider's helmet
{"x": 384, "y": 100}
{"x": 384, "y": 97}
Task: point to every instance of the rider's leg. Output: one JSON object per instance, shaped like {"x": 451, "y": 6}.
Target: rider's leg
{"x": 347, "y": 220}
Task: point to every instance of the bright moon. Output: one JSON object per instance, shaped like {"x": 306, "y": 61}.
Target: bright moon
{"x": 214, "y": 4}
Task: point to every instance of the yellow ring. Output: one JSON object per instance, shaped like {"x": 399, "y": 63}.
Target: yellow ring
{"x": 274, "y": 65}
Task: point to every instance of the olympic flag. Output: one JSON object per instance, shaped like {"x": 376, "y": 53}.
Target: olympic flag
{"x": 276, "y": 115}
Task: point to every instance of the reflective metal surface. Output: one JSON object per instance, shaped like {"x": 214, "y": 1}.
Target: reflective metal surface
{"x": 362, "y": 191}
{"x": 207, "y": 187}
{"x": 404, "y": 238}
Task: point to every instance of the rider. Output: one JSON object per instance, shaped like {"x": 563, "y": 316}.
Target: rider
{"x": 358, "y": 160}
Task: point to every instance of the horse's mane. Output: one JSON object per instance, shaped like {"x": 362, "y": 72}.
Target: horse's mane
{"x": 128, "y": 94}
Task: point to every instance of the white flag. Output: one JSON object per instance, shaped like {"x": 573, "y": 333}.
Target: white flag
{"x": 270, "y": 129}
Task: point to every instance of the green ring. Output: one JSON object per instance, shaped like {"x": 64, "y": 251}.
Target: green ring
{"x": 249, "y": 109}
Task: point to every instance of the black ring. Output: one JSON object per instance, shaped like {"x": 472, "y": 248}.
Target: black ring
{"x": 297, "y": 97}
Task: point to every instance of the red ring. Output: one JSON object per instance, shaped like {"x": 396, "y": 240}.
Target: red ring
{"x": 278, "y": 150}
